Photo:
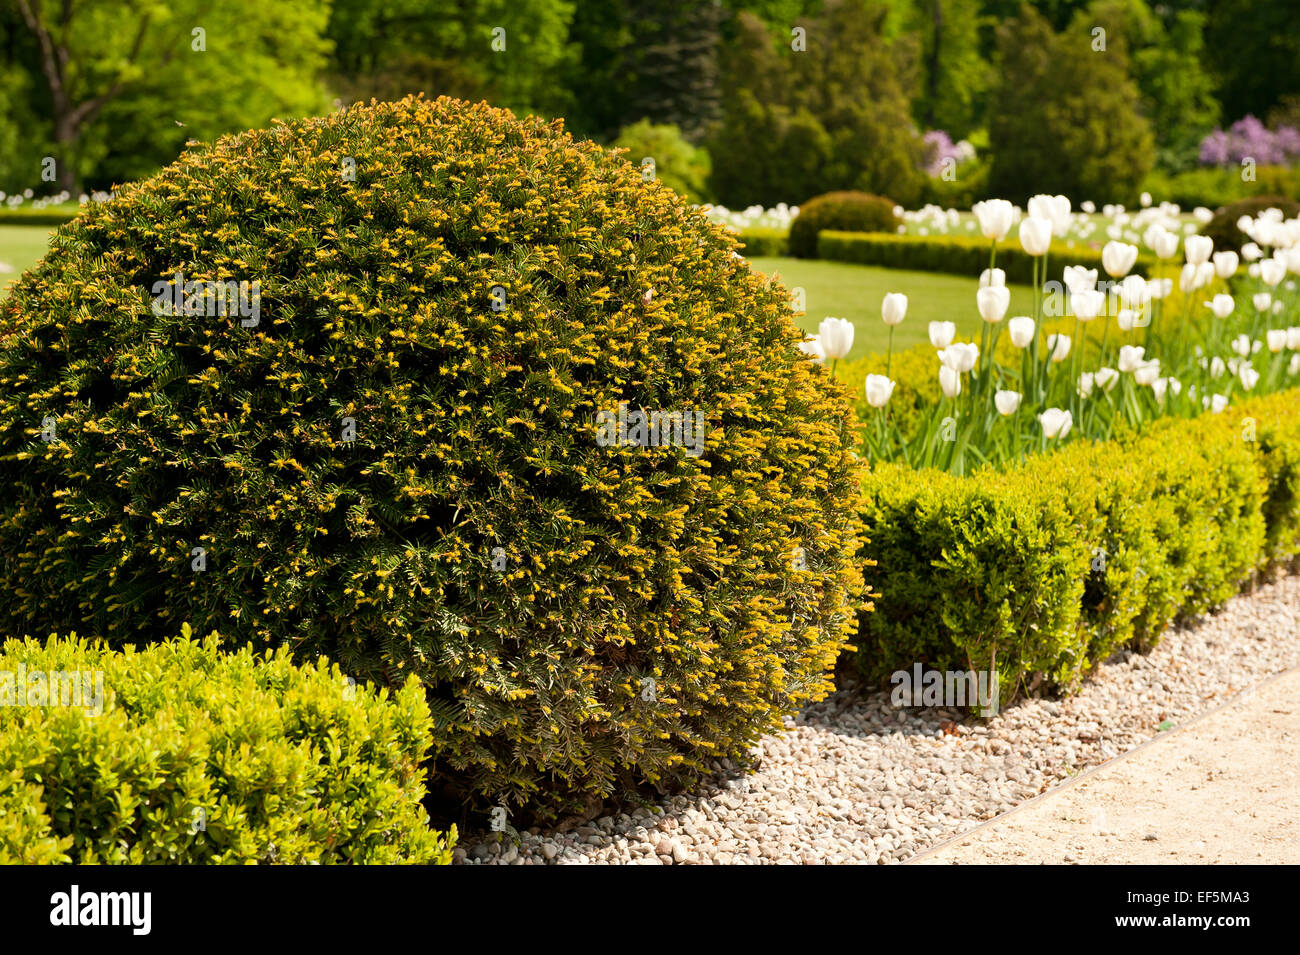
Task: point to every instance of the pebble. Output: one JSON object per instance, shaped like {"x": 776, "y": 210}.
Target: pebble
{"x": 868, "y": 783}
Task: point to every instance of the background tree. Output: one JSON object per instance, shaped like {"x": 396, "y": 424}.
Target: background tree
{"x": 1063, "y": 117}
{"x": 955, "y": 76}
{"x": 126, "y": 78}
{"x": 1254, "y": 50}
{"x": 836, "y": 115}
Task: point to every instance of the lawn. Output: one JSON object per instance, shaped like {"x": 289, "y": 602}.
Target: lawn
{"x": 850, "y": 291}
{"x": 20, "y": 247}
{"x": 831, "y": 288}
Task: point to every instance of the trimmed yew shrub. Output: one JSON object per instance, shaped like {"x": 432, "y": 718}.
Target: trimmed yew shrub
{"x": 399, "y": 456}
{"x": 847, "y": 211}
{"x": 182, "y": 753}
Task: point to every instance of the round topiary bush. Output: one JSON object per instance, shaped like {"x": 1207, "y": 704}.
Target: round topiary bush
{"x": 414, "y": 445}
{"x": 844, "y": 211}
{"x": 1223, "y": 227}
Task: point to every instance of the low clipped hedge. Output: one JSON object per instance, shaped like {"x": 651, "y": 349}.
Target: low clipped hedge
{"x": 53, "y": 216}
{"x": 758, "y": 241}
{"x": 195, "y": 755}
{"x": 958, "y": 254}
{"x": 1047, "y": 569}
{"x": 849, "y": 209}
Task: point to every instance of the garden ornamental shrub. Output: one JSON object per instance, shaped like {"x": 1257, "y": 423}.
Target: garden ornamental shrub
{"x": 413, "y": 446}
{"x": 843, "y": 211}
{"x": 183, "y": 753}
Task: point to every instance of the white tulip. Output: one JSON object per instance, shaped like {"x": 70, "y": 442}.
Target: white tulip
{"x": 1130, "y": 357}
{"x": 1056, "y": 423}
{"x": 1225, "y": 264}
{"x": 1276, "y": 338}
{"x": 1106, "y": 378}
{"x": 1118, "y": 258}
{"x": 1087, "y": 304}
{"x": 813, "y": 349}
{"x": 1160, "y": 288}
{"x": 1145, "y": 199}
{"x": 1293, "y": 337}
{"x": 1021, "y": 330}
{"x": 1088, "y": 206}
{"x": 1249, "y": 376}
{"x": 1036, "y": 235}
{"x": 993, "y": 302}
{"x": 1085, "y": 384}
{"x": 1133, "y": 291}
{"x": 893, "y": 309}
{"x": 1250, "y": 252}
{"x": 996, "y": 216}
{"x": 1221, "y": 305}
{"x": 1165, "y": 244}
{"x": 1054, "y": 209}
{"x": 992, "y": 277}
{"x": 1198, "y": 249}
{"x": 960, "y": 357}
{"x": 1294, "y": 367}
{"x": 1217, "y": 367}
{"x": 1216, "y": 403}
{"x": 1261, "y": 301}
{"x": 1147, "y": 372}
{"x": 1272, "y": 271}
{"x": 1079, "y": 279}
{"x": 949, "y": 381}
{"x": 942, "y": 333}
{"x": 1127, "y": 319}
{"x": 1202, "y": 214}
{"x": 836, "y": 336}
{"x": 1058, "y": 346}
{"x": 1006, "y": 402}
{"x": 878, "y": 388}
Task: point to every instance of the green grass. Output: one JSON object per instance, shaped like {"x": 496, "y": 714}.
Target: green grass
{"x": 20, "y": 247}
{"x": 854, "y": 292}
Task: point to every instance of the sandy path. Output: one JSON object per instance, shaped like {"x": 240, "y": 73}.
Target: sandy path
{"x": 1224, "y": 788}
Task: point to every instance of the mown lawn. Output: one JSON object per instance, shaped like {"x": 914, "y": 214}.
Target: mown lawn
{"x": 854, "y": 292}
{"x": 20, "y": 247}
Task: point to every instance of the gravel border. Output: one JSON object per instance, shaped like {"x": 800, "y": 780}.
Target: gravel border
{"x": 856, "y": 780}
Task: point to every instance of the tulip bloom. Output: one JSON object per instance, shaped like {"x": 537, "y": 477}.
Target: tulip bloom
{"x": 1105, "y": 378}
{"x": 1058, "y": 346}
{"x": 1147, "y": 372}
{"x": 1085, "y": 384}
{"x": 1087, "y": 304}
{"x": 894, "y": 308}
{"x": 878, "y": 388}
{"x": 836, "y": 336}
{"x": 1117, "y": 258}
{"x": 1276, "y": 338}
{"x": 1079, "y": 279}
{"x": 1165, "y": 244}
{"x": 1056, "y": 423}
{"x": 1036, "y": 235}
{"x": 942, "y": 333}
{"x": 1006, "y": 402}
{"x": 1272, "y": 271}
{"x": 993, "y": 302}
{"x": 1130, "y": 357}
{"x": 1225, "y": 264}
{"x": 992, "y": 277}
{"x": 996, "y": 216}
{"x": 1293, "y": 337}
{"x": 1198, "y": 249}
{"x": 960, "y": 357}
{"x": 1221, "y": 305}
{"x": 1261, "y": 301}
{"x": 949, "y": 381}
{"x": 1021, "y": 330}
{"x": 813, "y": 349}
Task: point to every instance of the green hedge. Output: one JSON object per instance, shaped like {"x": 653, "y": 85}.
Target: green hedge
{"x": 759, "y": 241}
{"x": 958, "y": 254}
{"x": 53, "y": 216}
{"x": 200, "y": 756}
{"x": 1049, "y": 568}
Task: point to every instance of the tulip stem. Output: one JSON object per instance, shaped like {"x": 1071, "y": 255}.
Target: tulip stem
{"x": 889, "y": 358}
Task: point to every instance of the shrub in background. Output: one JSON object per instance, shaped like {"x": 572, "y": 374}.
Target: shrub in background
{"x": 1212, "y": 187}
{"x": 677, "y": 164}
{"x": 203, "y": 756}
{"x": 400, "y": 462}
{"x": 845, "y": 211}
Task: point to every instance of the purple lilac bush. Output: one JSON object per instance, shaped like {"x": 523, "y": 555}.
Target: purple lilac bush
{"x": 1248, "y": 138}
